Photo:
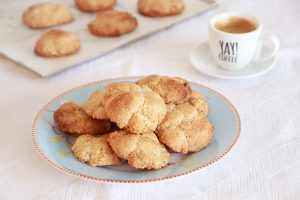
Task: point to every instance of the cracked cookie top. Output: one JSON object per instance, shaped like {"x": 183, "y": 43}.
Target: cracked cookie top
{"x": 185, "y": 127}
{"x": 112, "y": 24}
{"x": 94, "y": 5}
{"x": 95, "y": 151}
{"x": 137, "y": 111}
{"x": 143, "y": 151}
{"x": 160, "y": 8}
{"x": 44, "y": 15}
{"x": 171, "y": 89}
{"x": 95, "y": 104}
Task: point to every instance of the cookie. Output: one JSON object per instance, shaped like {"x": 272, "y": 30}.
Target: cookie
{"x": 94, "y": 5}
{"x": 185, "y": 128}
{"x": 137, "y": 111}
{"x": 95, "y": 151}
{"x": 94, "y": 107}
{"x": 159, "y": 8}
{"x": 142, "y": 151}
{"x": 44, "y": 15}
{"x": 70, "y": 118}
{"x": 56, "y": 43}
{"x": 112, "y": 24}
{"x": 171, "y": 89}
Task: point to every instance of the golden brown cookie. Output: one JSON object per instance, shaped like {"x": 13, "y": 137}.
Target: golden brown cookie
{"x": 44, "y": 15}
{"x": 159, "y": 8}
{"x": 112, "y": 24}
{"x": 142, "y": 151}
{"x": 95, "y": 151}
{"x": 185, "y": 127}
{"x": 70, "y": 118}
{"x": 171, "y": 89}
{"x": 56, "y": 43}
{"x": 137, "y": 111}
{"x": 199, "y": 102}
{"x": 95, "y": 5}
{"x": 94, "y": 107}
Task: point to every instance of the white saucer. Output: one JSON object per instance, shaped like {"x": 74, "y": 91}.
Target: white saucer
{"x": 203, "y": 61}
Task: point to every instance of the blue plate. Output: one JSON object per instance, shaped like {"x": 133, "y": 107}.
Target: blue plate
{"x": 54, "y": 146}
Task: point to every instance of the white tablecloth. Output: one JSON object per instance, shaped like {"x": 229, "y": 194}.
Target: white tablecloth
{"x": 265, "y": 163}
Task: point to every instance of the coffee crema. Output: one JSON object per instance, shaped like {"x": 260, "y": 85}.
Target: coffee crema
{"x": 235, "y": 25}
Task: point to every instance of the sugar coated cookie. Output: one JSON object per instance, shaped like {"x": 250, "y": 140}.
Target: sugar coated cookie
{"x": 159, "y": 8}
{"x": 56, "y": 43}
{"x": 94, "y": 5}
{"x": 112, "y": 24}
{"x": 44, "y": 15}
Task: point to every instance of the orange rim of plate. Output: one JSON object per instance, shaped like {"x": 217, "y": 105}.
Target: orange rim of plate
{"x": 70, "y": 172}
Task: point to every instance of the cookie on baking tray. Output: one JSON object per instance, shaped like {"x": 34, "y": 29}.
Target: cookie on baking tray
{"x": 112, "y": 24}
{"x": 143, "y": 151}
{"x": 94, "y": 5}
{"x": 185, "y": 128}
{"x": 56, "y": 43}
{"x": 95, "y": 151}
{"x": 171, "y": 89}
{"x": 70, "y": 118}
{"x": 137, "y": 111}
{"x": 44, "y": 15}
{"x": 159, "y": 8}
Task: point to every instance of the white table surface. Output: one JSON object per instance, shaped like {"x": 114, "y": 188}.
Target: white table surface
{"x": 265, "y": 163}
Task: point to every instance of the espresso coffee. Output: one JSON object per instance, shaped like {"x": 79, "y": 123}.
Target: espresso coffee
{"x": 235, "y": 25}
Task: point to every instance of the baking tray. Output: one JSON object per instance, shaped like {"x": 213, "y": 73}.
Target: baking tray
{"x": 17, "y": 41}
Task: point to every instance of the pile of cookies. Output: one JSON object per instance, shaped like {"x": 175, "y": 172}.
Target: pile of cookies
{"x": 108, "y": 22}
{"x": 138, "y": 122}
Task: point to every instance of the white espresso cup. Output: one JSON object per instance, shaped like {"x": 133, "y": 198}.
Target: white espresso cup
{"x": 234, "y": 51}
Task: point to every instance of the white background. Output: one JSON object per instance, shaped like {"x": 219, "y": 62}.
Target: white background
{"x": 265, "y": 163}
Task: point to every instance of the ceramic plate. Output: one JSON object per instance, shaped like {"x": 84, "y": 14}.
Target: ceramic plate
{"x": 54, "y": 146}
{"x": 203, "y": 61}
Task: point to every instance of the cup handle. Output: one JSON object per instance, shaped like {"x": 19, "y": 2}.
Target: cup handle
{"x": 275, "y": 43}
